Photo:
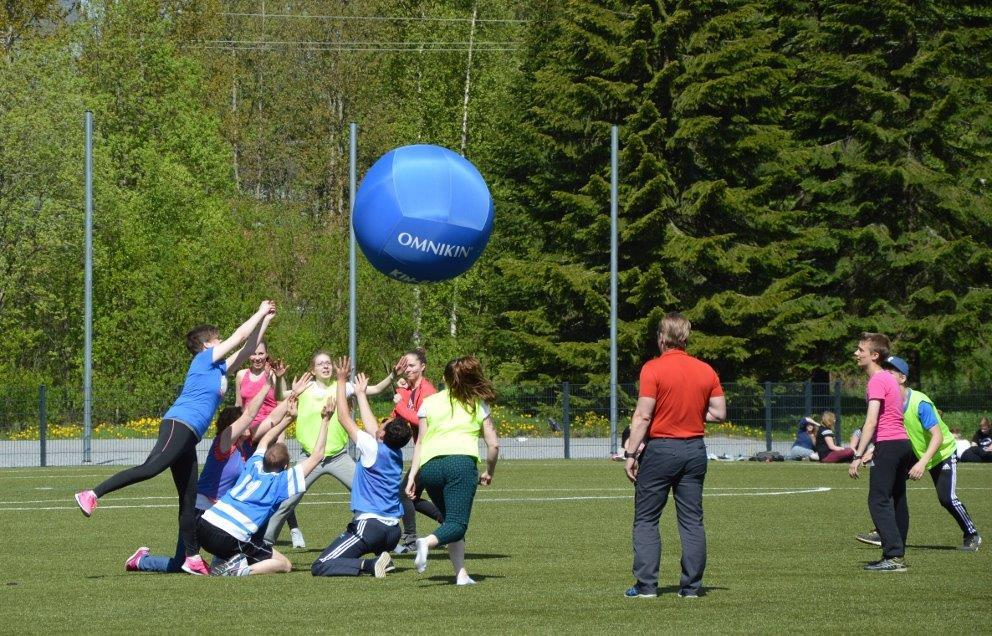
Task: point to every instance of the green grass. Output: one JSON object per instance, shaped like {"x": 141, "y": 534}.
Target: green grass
{"x": 777, "y": 562}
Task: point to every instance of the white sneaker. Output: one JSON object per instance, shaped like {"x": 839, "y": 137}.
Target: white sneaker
{"x": 297, "y": 536}
{"x": 420, "y": 561}
{"x": 383, "y": 564}
{"x": 468, "y": 580}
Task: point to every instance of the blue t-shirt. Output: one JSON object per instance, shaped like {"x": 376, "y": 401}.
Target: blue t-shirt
{"x": 247, "y": 507}
{"x": 375, "y": 489}
{"x": 202, "y": 393}
{"x": 927, "y": 416}
{"x": 803, "y": 439}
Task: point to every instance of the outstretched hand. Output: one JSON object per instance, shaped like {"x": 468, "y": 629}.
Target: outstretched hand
{"x": 361, "y": 383}
{"x": 342, "y": 367}
{"x": 399, "y": 367}
{"x": 300, "y": 383}
{"x": 291, "y": 407}
{"x": 329, "y": 407}
{"x": 279, "y": 368}
{"x": 267, "y": 307}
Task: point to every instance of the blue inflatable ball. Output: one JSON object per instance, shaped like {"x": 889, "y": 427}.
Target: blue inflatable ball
{"x": 422, "y": 214}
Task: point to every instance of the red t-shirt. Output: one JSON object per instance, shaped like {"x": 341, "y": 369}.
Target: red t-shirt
{"x": 410, "y": 402}
{"x": 681, "y": 387}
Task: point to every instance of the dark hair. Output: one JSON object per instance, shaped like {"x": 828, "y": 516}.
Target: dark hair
{"x": 877, "y": 343}
{"x": 276, "y": 458}
{"x": 419, "y": 352}
{"x": 198, "y": 337}
{"x": 227, "y": 417}
{"x": 466, "y": 383}
{"x": 396, "y": 433}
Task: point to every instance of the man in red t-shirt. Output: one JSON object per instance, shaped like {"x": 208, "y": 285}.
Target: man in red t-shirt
{"x": 678, "y": 393}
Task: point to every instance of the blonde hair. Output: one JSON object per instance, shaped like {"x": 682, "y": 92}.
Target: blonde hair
{"x": 673, "y": 331}
{"x": 828, "y": 419}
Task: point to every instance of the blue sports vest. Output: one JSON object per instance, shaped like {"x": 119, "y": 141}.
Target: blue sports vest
{"x": 376, "y": 489}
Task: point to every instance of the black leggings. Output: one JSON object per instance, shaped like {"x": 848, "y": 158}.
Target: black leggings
{"x": 175, "y": 449}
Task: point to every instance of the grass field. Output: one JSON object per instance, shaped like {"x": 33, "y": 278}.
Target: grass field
{"x": 549, "y": 544}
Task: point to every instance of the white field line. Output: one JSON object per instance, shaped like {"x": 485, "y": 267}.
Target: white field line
{"x": 758, "y": 493}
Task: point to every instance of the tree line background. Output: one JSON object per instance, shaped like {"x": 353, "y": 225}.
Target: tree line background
{"x": 791, "y": 173}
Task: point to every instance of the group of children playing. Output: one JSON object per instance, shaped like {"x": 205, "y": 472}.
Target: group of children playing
{"x": 247, "y": 489}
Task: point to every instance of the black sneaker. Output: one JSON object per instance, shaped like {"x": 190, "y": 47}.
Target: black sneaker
{"x": 688, "y": 594}
{"x": 893, "y": 564}
{"x": 971, "y": 542}
{"x": 871, "y": 538}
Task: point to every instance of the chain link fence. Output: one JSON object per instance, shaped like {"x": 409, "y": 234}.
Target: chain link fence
{"x": 44, "y": 427}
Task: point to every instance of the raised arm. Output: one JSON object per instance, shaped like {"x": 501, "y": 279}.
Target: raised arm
{"x": 289, "y": 414}
{"x": 248, "y": 413}
{"x": 386, "y": 382}
{"x": 238, "y": 377}
{"x": 317, "y": 456}
{"x": 492, "y": 450}
{"x": 278, "y": 413}
{"x": 238, "y": 358}
{"x": 369, "y": 420}
{"x": 225, "y": 348}
{"x": 343, "y": 367}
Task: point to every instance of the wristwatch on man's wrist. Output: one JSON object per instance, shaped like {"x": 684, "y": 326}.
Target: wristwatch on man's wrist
{"x": 629, "y": 455}
{"x": 857, "y": 455}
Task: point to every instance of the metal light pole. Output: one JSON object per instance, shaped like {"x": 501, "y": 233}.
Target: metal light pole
{"x": 88, "y": 297}
{"x": 614, "y": 144}
{"x": 352, "y": 269}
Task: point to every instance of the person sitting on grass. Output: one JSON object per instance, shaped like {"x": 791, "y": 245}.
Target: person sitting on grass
{"x": 804, "y": 446}
{"x": 826, "y": 449}
{"x": 229, "y": 529}
{"x": 981, "y": 444}
{"x": 375, "y": 498}
{"x": 229, "y": 451}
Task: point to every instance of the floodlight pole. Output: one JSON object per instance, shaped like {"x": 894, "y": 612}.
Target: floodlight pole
{"x": 88, "y": 296}
{"x": 352, "y": 278}
{"x": 613, "y": 287}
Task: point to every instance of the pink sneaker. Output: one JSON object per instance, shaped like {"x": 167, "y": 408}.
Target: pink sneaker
{"x": 87, "y": 501}
{"x": 195, "y": 565}
{"x": 131, "y": 565}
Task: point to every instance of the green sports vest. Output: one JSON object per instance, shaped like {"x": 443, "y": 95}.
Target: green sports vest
{"x": 311, "y": 403}
{"x": 451, "y": 429}
{"x": 919, "y": 437}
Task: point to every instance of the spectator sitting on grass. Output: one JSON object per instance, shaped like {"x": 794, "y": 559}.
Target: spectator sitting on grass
{"x": 826, "y": 449}
{"x": 805, "y": 445}
{"x": 624, "y": 436}
{"x": 981, "y": 444}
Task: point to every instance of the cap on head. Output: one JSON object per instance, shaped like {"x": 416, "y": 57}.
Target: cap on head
{"x": 897, "y": 363}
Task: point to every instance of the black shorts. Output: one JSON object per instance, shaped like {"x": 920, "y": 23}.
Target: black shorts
{"x": 221, "y": 544}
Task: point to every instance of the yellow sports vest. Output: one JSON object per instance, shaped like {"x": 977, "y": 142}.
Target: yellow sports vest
{"x": 451, "y": 429}
{"x": 311, "y": 403}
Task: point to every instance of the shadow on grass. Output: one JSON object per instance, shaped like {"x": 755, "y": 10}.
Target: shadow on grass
{"x": 443, "y": 554}
{"x": 931, "y": 547}
{"x": 448, "y": 579}
{"x": 705, "y": 591}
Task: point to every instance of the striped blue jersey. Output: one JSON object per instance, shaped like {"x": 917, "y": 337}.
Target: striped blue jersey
{"x": 248, "y": 505}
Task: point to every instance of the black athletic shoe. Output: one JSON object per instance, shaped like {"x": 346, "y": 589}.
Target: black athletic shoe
{"x": 871, "y": 538}
{"x": 971, "y": 542}
{"x": 688, "y": 594}
{"x": 894, "y": 564}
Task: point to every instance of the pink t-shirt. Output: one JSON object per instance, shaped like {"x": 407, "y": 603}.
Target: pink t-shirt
{"x": 250, "y": 388}
{"x": 883, "y": 387}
